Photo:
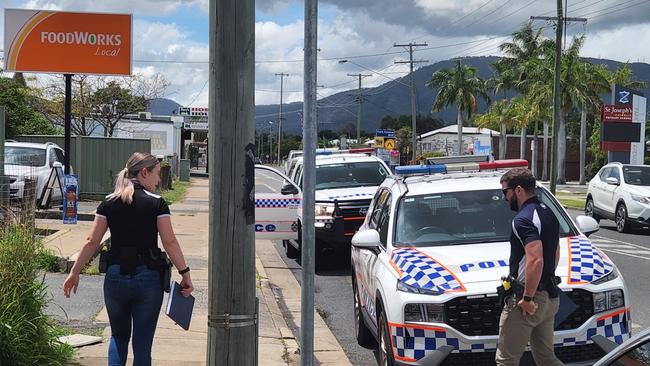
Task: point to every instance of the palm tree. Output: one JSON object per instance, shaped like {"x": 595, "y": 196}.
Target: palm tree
{"x": 596, "y": 82}
{"x": 526, "y": 48}
{"x": 460, "y": 86}
{"x": 502, "y": 81}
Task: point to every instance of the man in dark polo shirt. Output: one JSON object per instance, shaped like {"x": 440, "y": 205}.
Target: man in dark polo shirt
{"x": 534, "y": 254}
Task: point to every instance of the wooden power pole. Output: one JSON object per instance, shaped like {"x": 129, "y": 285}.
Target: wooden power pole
{"x": 232, "y": 307}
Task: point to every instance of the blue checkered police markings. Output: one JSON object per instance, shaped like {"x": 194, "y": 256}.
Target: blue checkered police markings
{"x": 367, "y": 301}
{"x": 613, "y": 326}
{"x": 351, "y": 195}
{"x": 422, "y": 271}
{"x": 277, "y": 202}
{"x": 586, "y": 264}
{"x": 412, "y": 342}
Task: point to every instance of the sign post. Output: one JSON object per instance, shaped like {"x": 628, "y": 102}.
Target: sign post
{"x": 622, "y": 129}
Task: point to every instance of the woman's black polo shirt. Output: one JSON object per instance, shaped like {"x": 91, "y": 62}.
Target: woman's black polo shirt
{"x": 134, "y": 224}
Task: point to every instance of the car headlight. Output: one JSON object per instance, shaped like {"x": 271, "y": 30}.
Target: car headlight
{"x": 608, "y": 300}
{"x": 401, "y": 286}
{"x": 324, "y": 210}
{"x": 611, "y": 276}
{"x": 640, "y": 199}
{"x": 428, "y": 313}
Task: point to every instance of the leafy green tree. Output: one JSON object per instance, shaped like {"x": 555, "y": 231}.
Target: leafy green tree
{"x": 460, "y": 86}
{"x": 20, "y": 118}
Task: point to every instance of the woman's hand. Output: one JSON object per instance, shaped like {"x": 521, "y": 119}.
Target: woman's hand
{"x": 70, "y": 284}
{"x": 186, "y": 285}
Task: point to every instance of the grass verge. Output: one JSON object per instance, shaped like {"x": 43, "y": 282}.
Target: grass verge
{"x": 575, "y": 202}
{"x": 27, "y": 335}
{"x": 177, "y": 192}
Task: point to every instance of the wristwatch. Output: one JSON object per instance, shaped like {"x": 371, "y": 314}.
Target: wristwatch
{"x": 184, "y": 271}
{"x": 527, "y": 298}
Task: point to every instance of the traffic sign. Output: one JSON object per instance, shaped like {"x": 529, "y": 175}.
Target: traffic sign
{"x": 379, "y": 141}
{"x": 385, "y": 132}
{"x": 389, "y": 144}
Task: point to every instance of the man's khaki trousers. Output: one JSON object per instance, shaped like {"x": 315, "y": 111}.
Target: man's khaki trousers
{"x": 516, "y": 330}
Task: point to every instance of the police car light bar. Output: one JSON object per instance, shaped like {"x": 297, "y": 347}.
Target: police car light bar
{"x": 409, "y": 170}
{"x": 365, "y": 150}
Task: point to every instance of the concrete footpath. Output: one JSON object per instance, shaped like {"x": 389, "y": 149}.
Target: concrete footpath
{"x": 277, "y": 290}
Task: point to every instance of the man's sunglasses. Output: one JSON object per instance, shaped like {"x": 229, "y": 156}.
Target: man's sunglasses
{"x": 505, "y": 190}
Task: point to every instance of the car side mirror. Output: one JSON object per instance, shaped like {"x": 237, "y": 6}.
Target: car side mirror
{"x": 288, "y": 188}
{"x": 366, "y": 239}
{"x": 612, "y": 181}
{"x": 56, "y": 164}
{"x": 587, "y": 225}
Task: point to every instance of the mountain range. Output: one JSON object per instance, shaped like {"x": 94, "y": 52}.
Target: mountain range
{"x": 391, "y": 98}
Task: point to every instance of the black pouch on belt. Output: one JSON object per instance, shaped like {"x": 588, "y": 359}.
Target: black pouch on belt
{"x": 166, "y": 272}
{"x": 127, "y": 257}
{"x": 157, "y": 260}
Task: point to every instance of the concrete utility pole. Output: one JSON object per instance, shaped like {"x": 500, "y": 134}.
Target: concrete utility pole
{"x": 411, "y": 62}
{"x": 232, "y": 306}
{"x": 309, "y": 139}
{"x": 560, "y": 20}
{"x": 359, "y": 102}
{"x": 281, "y": 75}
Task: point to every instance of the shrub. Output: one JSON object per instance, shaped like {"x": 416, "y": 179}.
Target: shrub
{"x": 27, "y": 335}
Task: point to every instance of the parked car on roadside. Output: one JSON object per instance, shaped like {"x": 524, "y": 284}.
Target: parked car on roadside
{"x": 26, "y": 161}
{"x": 620, "y": 192}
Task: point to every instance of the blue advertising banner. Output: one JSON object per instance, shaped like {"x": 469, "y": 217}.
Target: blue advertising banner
{"x": 70, "y": 194}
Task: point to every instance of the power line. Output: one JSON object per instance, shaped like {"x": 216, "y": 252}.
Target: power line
{"x": 470, "y": 13}
{"x": 609, "y": 10}
{"x": 199, "y": 93}
{"x": 514, "y": 12}
{"x": 614, "y": 11}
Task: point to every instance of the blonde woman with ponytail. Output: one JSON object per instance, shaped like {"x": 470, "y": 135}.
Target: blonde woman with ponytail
{"x": 132, "y": 288}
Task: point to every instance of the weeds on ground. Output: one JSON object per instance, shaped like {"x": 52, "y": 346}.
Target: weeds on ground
{"x": 176, "y": 192}
{"x": 47, "y": 260}
{"x": 27, "y": 335}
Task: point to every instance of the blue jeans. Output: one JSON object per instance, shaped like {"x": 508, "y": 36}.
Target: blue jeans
{"x": 132, "y": 299}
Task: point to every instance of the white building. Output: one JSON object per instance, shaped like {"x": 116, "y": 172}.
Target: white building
{"x": 163, "y": 131}
{"x": 445, "y": 139}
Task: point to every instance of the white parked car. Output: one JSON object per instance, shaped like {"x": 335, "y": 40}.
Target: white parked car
{"x": 430, "y": 254}
{"x": 620, "y": 192}
{"x": 25, "y": 161}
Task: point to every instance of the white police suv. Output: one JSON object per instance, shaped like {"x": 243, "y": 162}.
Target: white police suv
{"x": 345, "y": 183}
{"x": 430, "y": 254}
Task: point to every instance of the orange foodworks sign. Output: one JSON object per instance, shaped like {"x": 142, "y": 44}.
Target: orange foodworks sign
{"x": 67, "y": 42}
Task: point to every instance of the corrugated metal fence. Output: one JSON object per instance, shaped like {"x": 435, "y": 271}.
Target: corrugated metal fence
{"x": 96, "y": 160}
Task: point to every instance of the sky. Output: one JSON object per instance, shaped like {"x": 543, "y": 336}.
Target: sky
{"x": 171, "y": 37}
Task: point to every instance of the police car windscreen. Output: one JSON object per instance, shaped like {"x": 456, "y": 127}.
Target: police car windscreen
{"x": 637, "y": 175}
{"x": 453, "y": 218}
{"x": 350, "y": 175}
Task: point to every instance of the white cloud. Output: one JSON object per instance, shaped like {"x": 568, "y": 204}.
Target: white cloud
{"x": 148, "y": 7}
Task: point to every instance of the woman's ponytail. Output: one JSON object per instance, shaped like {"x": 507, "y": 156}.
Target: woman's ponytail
{"x": 124, "y": 187}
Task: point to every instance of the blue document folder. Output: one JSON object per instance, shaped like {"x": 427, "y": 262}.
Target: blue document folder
{"x": 567, "y": 307}
{"x": 179, "y": 307}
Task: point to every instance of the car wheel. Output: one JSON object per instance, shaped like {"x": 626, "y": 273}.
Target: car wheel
{"x": 290, "y": 251}
{"x": 589, "y": 209}
{"x": 620, "y": 217}
{"x": 385, "y": 348}
{"x": 364, "y": 337}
